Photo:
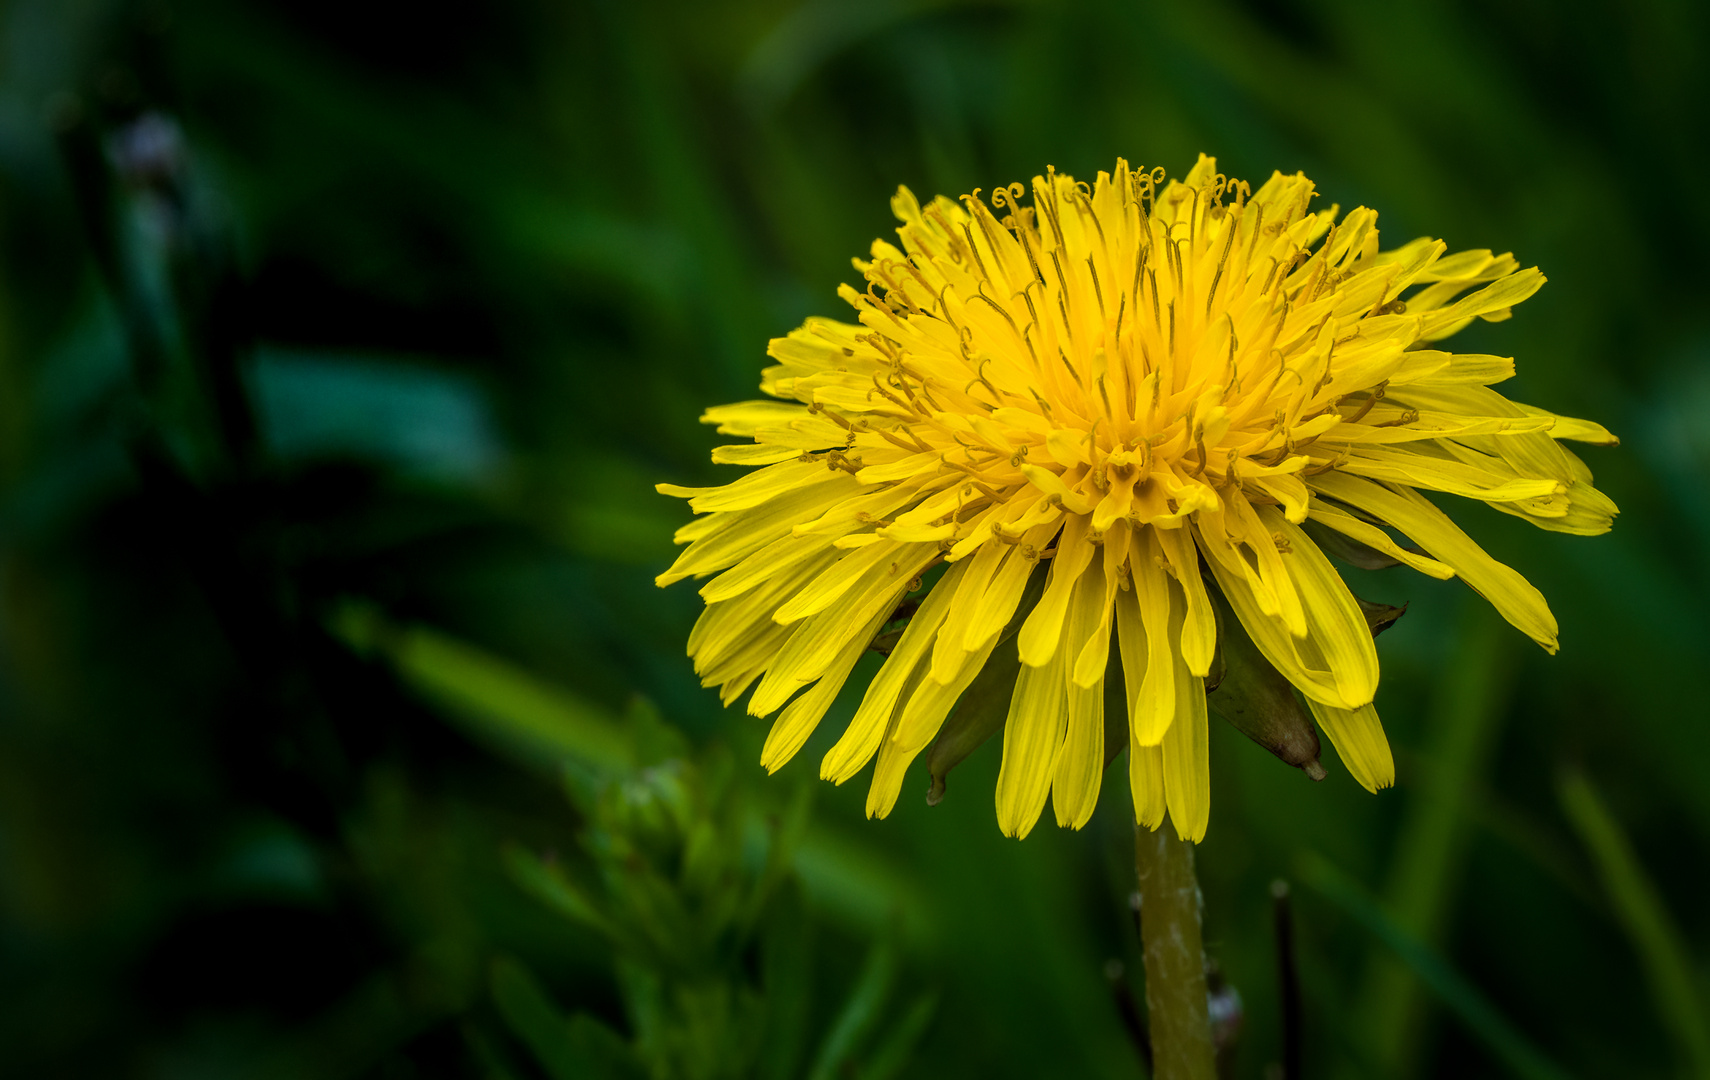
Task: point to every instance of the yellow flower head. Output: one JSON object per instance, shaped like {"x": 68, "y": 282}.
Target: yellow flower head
{"x": 1154, "y": 391}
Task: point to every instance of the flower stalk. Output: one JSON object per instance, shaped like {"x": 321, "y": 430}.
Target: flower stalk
{"x": 1179, "y": 1022}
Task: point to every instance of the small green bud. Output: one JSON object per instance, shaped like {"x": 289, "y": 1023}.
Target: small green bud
{"x": 979, "y": 715}
{"x": 1380, "y": 617}
{"x": 1255, "y": 698}
{"x": 1115, "y": 706}
{"x": 1346, "y": 548}
{"x": 984, "y": 706}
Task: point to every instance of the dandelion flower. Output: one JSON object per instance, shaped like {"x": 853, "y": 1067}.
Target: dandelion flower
{"x": 1159, "y": 393}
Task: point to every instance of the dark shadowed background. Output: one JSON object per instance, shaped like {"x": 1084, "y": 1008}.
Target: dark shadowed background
{"x": 344, "y": 733}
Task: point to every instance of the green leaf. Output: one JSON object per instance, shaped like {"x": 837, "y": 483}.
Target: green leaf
{"x": 549, "y": 885}
{"x": 897, "y": 1047}
{"x": 645, "y": 1004}
{"x": 1460, "y": 996}
{"x": 577, "y": 1048}
{"x": 491, "y": 1063}
{"x": 391, "y": 411}
{"x": 655, "y": 740}
{"x": 786, "y": 965}
{"x": 859, "y": 1015}
{"x": 495, "y": 699}
{"x": 1641, "y": 913}
{"x": 604, "y": 1052}
{"x": 784, "y": 837}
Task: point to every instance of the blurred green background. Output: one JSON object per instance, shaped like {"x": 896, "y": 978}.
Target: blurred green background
{"x": 344, "y": 733}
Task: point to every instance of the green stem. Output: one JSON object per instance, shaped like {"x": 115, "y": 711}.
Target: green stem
{"x": 1175, "y": 958}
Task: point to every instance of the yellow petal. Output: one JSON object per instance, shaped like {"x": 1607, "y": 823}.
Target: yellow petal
{"x": 1512, "y": 595}
{"x": 948, "y": 653}
{"x": 997, "y": 605}
{"x": 930, "y": 701}
{"x": 861, "y": 739}
{"x": 903, "y": 468}
{"x": 1387, "y": 426}
{"x": 1032, "y": 739}
{"x": 1094, "y": 657}
{"x": 859, "y": 567}
{"x": 1437, "y": 368}
{"x": 1043, "y": 631}
{"x": 1146, "y": 783}
{"x": 859, "y": 508}
{"x": 1186, "y": 764}
{"x": 753, "y": 454}
{"x": 1245, "y": 527}
{"x": 727, "y": 538}
{"x": 1567, "y": 427}
{"x": 1414, "y": 468}
{"x": 1495, "y": 298}
{"x": 1080, "y": 763}
{"x": 1376, "y": 539}
{"x": 1267, "y": 631}
{"x": 1199, "y": 628}
{"x": 1359, "y": 741}
{"x": 748, "y": 417}
{"x": 1531, "y": 454}
{"x": 802, "y": 716}
{"x": 1186, "y": 752}
{"x": 894, "y": 759}
{"x": 757, "y": 487}
{"x": 1585, "y": 512}
{"x": 1134, "y": 648}
{"x": 1333, "y": 620}
{"x": 729, "y": 625}
{"x": 774, "y": 559}
{"x": 1052, "y": 484}
{"x": 750, "y": 656}
{"x": 819, "y": 638}
{"x": 1155, "y": 695}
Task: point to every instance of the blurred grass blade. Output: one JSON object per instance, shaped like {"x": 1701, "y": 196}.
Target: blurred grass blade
{"x": 894, "y": 1051}
{"x": 786, "y": 958}
{"x": 579, "y": 1048}
{"x": 860, "y": 1014}
{"x": 604, "y": 1053}
{"x": 1655, "y": 937}
{"x": 1465, "y": 720}
{"x": 397, "y": 412}
{"x": 805, "y": 39}
{"x": 1457, "y": 994}
{"x": 496, "y": 699}
{"x": 785, "y": 833}
{"x": 490, "y": 1062}
{"x": 552, "y": 888}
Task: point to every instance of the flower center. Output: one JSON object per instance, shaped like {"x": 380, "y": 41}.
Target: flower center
{"x": 1124, "y": 352}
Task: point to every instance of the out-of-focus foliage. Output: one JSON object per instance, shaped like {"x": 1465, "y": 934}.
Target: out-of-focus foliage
{"x": 340, "y": 346}
{"x": 689, "y": 907}
{"x": 687, "y": 873}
